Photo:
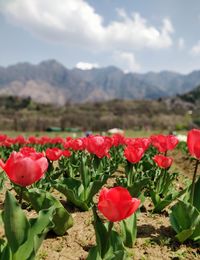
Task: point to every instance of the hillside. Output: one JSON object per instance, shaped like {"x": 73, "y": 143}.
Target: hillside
{"x": 23, "y": 114}
{"x": 51, "y": 82}
{"x": 192, "y": 96}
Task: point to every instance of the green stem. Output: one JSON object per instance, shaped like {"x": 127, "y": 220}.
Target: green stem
{"x": 21, "y": 195}
{"x": 104, "y": 251}
{"x": 130, "y": 173}
{"x": 193, "y": 182}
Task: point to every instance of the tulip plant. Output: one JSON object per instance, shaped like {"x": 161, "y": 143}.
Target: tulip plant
{"x": 136, "y": 180}
{"x": 25, "y": 168}
{"x": 94, "y": 167}
{"x": 116, "y": 204}
{"x": 162, "y": 190}
{"x": 185, "y": 214}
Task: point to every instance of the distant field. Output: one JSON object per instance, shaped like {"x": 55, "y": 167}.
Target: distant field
{"x": 128, "y": 133}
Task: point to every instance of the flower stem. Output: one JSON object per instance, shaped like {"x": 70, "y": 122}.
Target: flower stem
{"x": 193, "y": 182}
{"x": 21, "y": 195}
{"x": 130, "y": 174}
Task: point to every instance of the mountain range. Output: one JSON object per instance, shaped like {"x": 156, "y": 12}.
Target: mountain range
{"x": 51, "y": 82}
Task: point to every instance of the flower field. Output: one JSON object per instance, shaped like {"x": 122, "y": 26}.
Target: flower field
{"x": 100, "y": 197}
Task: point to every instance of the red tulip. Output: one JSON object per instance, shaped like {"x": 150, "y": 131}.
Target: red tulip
{"x": 33, "y": 140}
{"x": 133, "y": 154}
{"x": 25, "y": 169}
{"x": 20, "y": 140}
{"x": 172, "y": 142}
{"x": 117, "y": 139}
{"x": 164, "y": 143}
{"x": 193, "y": 142}
{"x": 117, "y": 204}
{"x": 75, "y": 144}
{"x": 163, "y": 161}
{"x": 26, "y": 150}
{"x": 138, "y": 142}
{"x": 2, "y": 138}
{"x": 98, "y": 145}
{"x": 53, "y": 154}
{"x": 66, "y": 153}
{"x": 57, "y": 140}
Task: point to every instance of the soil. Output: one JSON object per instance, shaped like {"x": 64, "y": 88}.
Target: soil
{"x": 155, "y": 237}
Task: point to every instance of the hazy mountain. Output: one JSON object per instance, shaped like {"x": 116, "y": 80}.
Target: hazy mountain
{"x": 51, "y": 82}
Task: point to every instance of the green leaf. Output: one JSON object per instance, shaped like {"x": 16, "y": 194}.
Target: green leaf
{"x": 100, "y": 231}
{"x": 129, "y": 230}
{"x": 196, "y": 234}
{"x": 94, "y": 254}
{"x": 185, "y": 220}
{"x": 185, "y": 234}
{"x": 196, "y": 201}
{"x": 155, "y": 197}
{"x": 136, "y": 189}
{"x": 167, "y": 200}
{"x": 94, "y": 187}
{"x": 15, "y": 222}
{"x": 74, "y": 192}
{"x": 6, "y": 253}
{"x": 40, "y": 199}
{"x": 38, "y": 230}
{"x": 116, "y": 250}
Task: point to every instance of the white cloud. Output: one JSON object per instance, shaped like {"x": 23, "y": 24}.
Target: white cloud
{"x": 181, "y": 43}
{"x": 76, "y": 22}
{"x": 127, "y": 61}
{"x": 195, "y": 49}
{"x": 86, "y": 65}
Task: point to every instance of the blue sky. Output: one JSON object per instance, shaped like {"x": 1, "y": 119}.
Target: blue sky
{"x": 134, "y": 35}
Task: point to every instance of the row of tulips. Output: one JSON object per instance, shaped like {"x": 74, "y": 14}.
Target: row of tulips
{"x": 79, "y": 168}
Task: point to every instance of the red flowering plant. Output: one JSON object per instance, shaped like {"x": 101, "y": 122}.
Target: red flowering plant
{"x": 70, "y": 161}
{"x": 164, "y": 143}
{"x": 116, "y": 205}
{"x": 189, "y": 207}
{"x": 28, "y": 168}
{"x": 116, "y": 151}
{"x": 90, "y": 172}
{"x": 136, "y": 179}
{"x": 25, "y": 167}
{"x": 60, "y": 163}
{"x": 162, "y": 187}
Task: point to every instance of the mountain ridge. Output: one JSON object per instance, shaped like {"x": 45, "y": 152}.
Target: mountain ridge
{"x": 51, "y": 82}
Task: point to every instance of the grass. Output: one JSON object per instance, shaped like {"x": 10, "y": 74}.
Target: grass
{"x": 128, "y": 133}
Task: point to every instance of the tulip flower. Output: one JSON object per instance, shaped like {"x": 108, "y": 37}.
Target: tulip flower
{"x": 26, "y": 150}
{"x": 193, "y": 142}
{"x": 25, "y": 169}
{"x": 75, "y": 144}
{"x": 164, "y": 143}
{"x": 138, "y": 142}
{"x": 98, "y": 145}
{"x": 163, "y": 161}
{"x": 117, "y": 139}
{"x": 53, "y": 154}
{"x": 117, "y": 204}
{"x": 66, "y": 153}
{"x": 133, "y": 154}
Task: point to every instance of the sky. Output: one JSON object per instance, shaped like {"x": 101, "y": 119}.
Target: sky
{"x": 134, "y": 35}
